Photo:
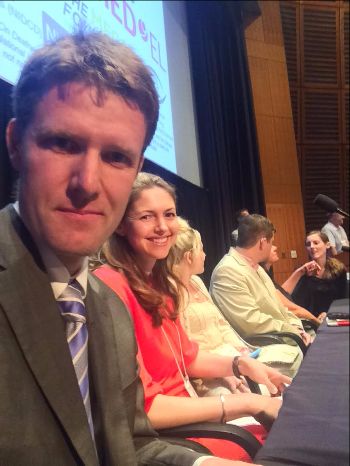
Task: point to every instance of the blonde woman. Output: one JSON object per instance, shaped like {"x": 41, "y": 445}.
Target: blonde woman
{"x": 202, "y": 319}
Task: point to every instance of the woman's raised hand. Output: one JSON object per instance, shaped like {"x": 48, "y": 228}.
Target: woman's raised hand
{"x": 310, "y": 268}
{"x": 261, "y": 373}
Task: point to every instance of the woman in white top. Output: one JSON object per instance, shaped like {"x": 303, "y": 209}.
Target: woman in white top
{"x": 203, "y": 320}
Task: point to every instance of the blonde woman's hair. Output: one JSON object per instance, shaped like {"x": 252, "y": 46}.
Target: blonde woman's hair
{"x": 188, "y": 239}
{"x": 333, "y": 267}
{"x": 151, "y": 292}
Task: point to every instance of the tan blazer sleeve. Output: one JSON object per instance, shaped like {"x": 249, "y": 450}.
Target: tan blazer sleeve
{"x": 247, "y": 305}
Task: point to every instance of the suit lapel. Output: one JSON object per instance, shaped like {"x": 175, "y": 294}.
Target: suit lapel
{"x": 39, "y": 330}
{"x": 107, "y": 348}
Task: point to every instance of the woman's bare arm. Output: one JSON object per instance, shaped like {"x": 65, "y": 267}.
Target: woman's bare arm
{"x": 299, "y": 311}
{"x": 292, "y": 281}
{"x": 171, "y": 411}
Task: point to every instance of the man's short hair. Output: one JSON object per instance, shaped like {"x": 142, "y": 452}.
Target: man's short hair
{"x": 243, "y": 212}
{"x": 252, "y": 228}
{"x": 93, "y": 59}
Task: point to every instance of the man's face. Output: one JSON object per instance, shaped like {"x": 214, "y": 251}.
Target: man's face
{"x": 337, "y": 219}
{"x": 77, "y": 163}
{"x": 265, "y": 248}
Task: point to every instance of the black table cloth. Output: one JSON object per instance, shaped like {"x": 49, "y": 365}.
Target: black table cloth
{"x": 313, "y": 424}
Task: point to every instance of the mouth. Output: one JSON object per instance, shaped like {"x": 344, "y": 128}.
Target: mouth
{"x": 80, "y": 213}
{"x": 159, "y": 241}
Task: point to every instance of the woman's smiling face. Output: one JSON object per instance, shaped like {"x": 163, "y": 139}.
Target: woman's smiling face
{"x": 151, "y": 226}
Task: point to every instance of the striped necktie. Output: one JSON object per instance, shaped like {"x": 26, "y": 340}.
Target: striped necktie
{"x": 74, "y": 313}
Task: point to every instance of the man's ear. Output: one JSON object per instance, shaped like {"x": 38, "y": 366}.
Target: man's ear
{"x": 13, "y": 145}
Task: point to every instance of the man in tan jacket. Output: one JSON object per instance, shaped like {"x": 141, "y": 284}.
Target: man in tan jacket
{"x": 244, "y": 292}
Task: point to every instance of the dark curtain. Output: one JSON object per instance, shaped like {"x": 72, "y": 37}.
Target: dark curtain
{"x": 7, "y": 175}
{"x": 225, "y": 118}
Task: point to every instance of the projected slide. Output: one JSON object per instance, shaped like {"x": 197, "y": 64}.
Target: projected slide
{"x": 26, "y": 25}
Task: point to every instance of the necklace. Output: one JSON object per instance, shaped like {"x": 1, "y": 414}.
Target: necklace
{"x": 186, "y": 380}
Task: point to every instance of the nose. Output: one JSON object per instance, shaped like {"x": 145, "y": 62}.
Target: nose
{"x": 160, "y": 225}
{"x": 84, "y": 184}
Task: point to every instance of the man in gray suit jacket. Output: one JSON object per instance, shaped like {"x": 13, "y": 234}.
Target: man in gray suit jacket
{"x": 85, "y": 110}
{"x": 242, "y": 289}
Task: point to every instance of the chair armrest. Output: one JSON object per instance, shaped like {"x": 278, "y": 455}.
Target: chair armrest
{"x": 184, "y": 442}
{"x": 293, "y": 336}
{"x": 309, "y": 324}
{"x": 263, "y": 339}
{"x": 215, "y": 430}
{"x": 272, "y": 338}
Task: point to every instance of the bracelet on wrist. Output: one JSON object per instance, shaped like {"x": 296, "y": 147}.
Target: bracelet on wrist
{"x": 223, "y": 419}
{"x": 235, "y": 368}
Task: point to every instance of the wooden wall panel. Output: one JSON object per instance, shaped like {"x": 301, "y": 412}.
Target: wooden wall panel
{"x": 287, "y": 233}
{"x": 344, "y": 45}
{"x": 318, "y": 179}
{"x": 321, "y": 116}
{"x": 345, "y": 117}
{"x": 261, "y": 88}
{"x": 318, "y": 33}
{"x": 276, "y": 138}
{"x": 281, "y": 104}
{"x": 320, "y": 46}
{"x": 268, "y": 149}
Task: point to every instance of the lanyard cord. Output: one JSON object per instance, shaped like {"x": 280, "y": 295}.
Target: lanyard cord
{"x": 184, "y": 378}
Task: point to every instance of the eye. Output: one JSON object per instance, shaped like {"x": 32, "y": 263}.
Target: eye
{"x": 117, "y": 159}
{"x": 170, "y": 215}
{"x": 147, "y": 217}
{"x": 60, "y": 144}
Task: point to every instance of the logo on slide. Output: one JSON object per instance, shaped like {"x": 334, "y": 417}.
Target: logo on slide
{"x": 142, "y": 29}
{"x": 51, "y": 30}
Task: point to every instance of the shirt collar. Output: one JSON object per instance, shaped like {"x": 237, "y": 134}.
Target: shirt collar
{"x": 57, "y": 272}
{"x": 59, "y": 275}
{"x": 254, "y": 265}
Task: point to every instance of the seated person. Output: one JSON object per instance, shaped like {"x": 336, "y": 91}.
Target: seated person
{"x": 137, "y": 271}
{"x": 283, "y": 295}
{"x": 319, "y": 282}
{"x": 244, "y": 292}
{"x": 204, "y": 322}
{"x": 336, "y": 234}
{"x": 239, "y": 215}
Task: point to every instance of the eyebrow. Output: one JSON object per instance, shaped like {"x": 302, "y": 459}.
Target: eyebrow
{"x": 43, "y": 131}
{"x": 47, "y": 132}
{"x": 147, "y": 211}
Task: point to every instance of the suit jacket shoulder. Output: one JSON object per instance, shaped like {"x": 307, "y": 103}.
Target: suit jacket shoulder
{"x": 41, "y": 412}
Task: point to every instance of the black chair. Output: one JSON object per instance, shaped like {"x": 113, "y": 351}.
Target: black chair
{"x": 272, "y": 338}
{"x": 214, "y": 430}
{"x": 253, "y": 386}
{"x": 309, "y": 325}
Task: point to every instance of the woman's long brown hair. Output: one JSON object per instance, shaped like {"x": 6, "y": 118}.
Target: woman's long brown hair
{"x": 151, "y": 292}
